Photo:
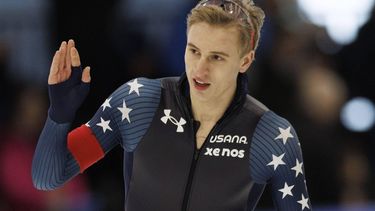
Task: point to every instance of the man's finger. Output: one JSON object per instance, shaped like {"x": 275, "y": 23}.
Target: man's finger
{"x": 76, "y": 62}
{"x": 55, "y": 62}
{"x": 86, "y": 77}
{"x": 62, "y": 55}
{"x": 53, "y": 74}
{"x": 68, "y": 60}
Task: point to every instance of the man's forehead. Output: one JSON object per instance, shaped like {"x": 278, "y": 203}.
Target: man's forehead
{"x": 214, "y": 38}
{"x": 229, "y": 32}
{"x": 221, "y": 52}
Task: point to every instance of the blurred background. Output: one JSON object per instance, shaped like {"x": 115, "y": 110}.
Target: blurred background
{"x": 315, "y": 67}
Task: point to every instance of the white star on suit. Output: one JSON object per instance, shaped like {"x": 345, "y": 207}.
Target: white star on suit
{"x": 287, "y": 190}
{"x": 276, "y": 161}
{"x": 125, "y": 111}
{"x": 284, "y": 134}
{"x": 106, "y": 104}
{"x": 87, "y": 124}
{"x": 104, "y": 125}
{"x": 304, "y": 202}
{"x": 298, "y": 168}
{"x": 134, "y": 86}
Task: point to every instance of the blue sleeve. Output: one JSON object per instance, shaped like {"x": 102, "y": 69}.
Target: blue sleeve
{"x": 276, "y": 159}
{"x": 53, "y": 164}
{"x": 123, "y": 118}
{"x": 130, "y": 110}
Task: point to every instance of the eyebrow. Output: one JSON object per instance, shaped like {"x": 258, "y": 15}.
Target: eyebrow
{"x": 213, "y": 52}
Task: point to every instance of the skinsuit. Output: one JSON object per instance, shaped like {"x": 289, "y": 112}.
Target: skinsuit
{"x": 151, "y": 119}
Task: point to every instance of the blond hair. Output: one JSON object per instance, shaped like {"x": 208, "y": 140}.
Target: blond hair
{"x": 249, "y": 33}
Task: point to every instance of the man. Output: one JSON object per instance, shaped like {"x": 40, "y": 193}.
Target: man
{"x": 197, "y": 142}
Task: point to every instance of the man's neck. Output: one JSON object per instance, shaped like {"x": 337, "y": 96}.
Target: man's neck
{"x": 210, "y": 111}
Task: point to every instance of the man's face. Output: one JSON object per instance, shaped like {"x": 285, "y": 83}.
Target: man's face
{"x": 212, "y": 61}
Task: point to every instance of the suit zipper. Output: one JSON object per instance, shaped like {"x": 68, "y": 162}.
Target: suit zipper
{"x": 193, "y": 167}
{"x": 190, "y": 180}
{"x": 195, "y": 158}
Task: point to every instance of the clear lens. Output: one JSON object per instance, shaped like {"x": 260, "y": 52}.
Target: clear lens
{"x": 234, "y": 8}
{"x": 230, "y": 7}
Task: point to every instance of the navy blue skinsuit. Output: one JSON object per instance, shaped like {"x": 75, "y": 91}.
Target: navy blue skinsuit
{"x": 248, "y": 148}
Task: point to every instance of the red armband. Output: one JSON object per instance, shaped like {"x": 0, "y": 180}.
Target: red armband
{"x": 84, "y": 147}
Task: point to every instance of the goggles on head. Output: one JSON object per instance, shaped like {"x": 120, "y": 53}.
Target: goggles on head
{"x": 234, "y": 8}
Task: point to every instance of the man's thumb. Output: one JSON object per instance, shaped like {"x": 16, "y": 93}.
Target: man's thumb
{"x": 86, "y": 78}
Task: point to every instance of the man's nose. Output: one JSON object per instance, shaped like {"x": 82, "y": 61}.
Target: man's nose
{"x": 202, "y": 67}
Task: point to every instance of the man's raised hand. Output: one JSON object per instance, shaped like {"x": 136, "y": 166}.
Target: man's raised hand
{"x": 64, "y": 59}
{"x": 68, "y": 83}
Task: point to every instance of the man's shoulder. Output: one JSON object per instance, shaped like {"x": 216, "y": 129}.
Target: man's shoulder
{"x": 170, "y": 83}
{"x": 148, "y": 83}
{"x": 266, "y": 114}
{"x": 275, "y": 133}
{"x": 137, "y": 90}
{"x": 254, "y": 106}
{"x": 273, "y": 145}
{"x": 271, "y": 126}
{"x": 139, "y": 86}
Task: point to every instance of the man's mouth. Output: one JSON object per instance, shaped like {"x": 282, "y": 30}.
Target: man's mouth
{"x": 200, "y": 85}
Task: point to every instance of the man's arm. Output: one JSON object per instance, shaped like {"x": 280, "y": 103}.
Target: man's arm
{"x": 68, "y": 86}
{"x": 276, "y": 158}
{"x": 123, "y": 118}
{"x": 53, "y": 164}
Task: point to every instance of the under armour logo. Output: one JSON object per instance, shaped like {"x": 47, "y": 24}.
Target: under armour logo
{"x": 168, "y": 116}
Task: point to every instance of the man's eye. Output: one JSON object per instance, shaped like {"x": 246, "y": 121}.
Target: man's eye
{"x": 194, "y": 51}
{"x": 218, "y": 58}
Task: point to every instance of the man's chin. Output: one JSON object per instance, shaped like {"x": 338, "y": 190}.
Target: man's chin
{"x": 202, "y": 96}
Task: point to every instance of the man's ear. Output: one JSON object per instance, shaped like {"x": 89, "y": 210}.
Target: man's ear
{"x": 246, "y": 61}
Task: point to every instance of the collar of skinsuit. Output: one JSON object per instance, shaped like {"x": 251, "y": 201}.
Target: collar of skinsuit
{"x": 237, "y": 102}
